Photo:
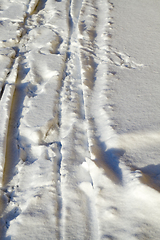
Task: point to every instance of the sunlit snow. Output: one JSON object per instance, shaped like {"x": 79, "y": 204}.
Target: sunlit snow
{"x": 79, "y": 119}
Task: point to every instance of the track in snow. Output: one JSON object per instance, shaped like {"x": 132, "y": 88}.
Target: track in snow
{"x": 61, "y": 176}
{"x": 70, "y": 148}
{"x": 77, "y": 208}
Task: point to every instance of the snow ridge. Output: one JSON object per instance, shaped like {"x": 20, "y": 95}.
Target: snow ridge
{"x": 57, "y": 144}
{"x": 74, "y": 177}
{"x": 69, "y": 167}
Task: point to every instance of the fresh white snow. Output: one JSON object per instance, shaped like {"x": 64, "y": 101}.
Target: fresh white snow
{"x": 79, "y": 119}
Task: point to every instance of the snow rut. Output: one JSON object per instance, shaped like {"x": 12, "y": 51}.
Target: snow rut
{"x": 18, "y": 154}
{"x": 60, "y": 169}
{"x": 57, "y": 144}
{"x": 77, "y": 208}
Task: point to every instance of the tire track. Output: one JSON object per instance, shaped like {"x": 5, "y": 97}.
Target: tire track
{"x": 76, "y": 133}
{"x": 107, "y": 172}
{"x": 94, "y": 64}
{"x": 10, "y": 55}
{"x": 8, "y": 86}
{"x": 6, "y": 106}
{"x": 11, "y": 82}
{"x": 87, "y": 30}
{"x": 11, "y": 179}
{"x": 64, "y": 143}
{"x": 93, "y": 43}
{"x": 77, "y": 204}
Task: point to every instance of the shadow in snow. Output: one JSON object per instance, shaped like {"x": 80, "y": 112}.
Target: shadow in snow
{"x": 108, "y": 159}
{"x": 41, "y": 5}
{"x": 7, "y": 238}
{"x": 5, "y": 222}
{"x": 12, "y": 151}
{"x": 150, "y": 176}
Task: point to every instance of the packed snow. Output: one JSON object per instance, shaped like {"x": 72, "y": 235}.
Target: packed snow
{"x": 80, "y": 119}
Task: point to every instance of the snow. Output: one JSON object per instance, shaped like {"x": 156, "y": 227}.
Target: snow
{"x": 79, "y": 123}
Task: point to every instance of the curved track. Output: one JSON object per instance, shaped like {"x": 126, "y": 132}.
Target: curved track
{"x": 64, "y": 171}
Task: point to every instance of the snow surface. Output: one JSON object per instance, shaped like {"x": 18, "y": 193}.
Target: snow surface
{"x": 79, "y": 123}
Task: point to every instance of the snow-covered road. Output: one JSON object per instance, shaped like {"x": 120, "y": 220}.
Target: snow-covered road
{"x": 79, "y": 119}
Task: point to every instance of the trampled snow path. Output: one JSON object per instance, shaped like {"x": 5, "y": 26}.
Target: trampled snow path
{"x": 78, "y": 147}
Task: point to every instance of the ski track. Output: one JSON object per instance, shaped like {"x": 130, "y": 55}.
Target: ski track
{"x": 11, "y": 210}
{"x": 70, "y": 153}
{"x": 77, "y": 208}
{"x": 65, "y": 168}
{"x": 16, "y": 145}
